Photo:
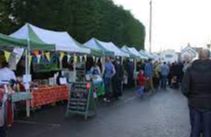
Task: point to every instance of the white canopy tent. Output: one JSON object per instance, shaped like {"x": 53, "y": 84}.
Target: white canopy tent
{"x": 135, "y": 52}
{"x": 92, "y": 43}
{"x": 111, "y": 47}
{"x": 125, "y": 49}
{"x": 96, "y": 45}
{"x": 149, "y": 55}
{"x": 142, "y": 52}
{"x": 62, "y": 40}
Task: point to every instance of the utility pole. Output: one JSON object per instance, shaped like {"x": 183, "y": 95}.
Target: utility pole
{"x": 150, "y": 27}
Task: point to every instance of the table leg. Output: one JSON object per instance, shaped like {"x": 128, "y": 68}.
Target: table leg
{"x": 28, "y": 108}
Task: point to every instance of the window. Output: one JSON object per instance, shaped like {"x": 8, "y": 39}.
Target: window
{"x": 169, "y": 56}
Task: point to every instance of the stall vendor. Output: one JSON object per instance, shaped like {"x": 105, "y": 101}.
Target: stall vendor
{"x": 6, "y": 76}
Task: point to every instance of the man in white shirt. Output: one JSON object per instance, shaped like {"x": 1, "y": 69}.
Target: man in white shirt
{"x": 5, "y": 76}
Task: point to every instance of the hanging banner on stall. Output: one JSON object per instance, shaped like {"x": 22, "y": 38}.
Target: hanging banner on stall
{"x": 30, "y": 58}
{"x": 75, "y": 58}
{"x": 61, "y": 55}
{"x": 12, "y": 61}
{"x": 47, "y": 54}
{"x": 85, "y": 56}
{"x": 18, "y": 52}
{"x": 15, "y": 57}
{"x": 38, "y": 58}
{"x": 7, "y": 55}
{"x": 68, "y": 58}
{"x": 42, "y": 64}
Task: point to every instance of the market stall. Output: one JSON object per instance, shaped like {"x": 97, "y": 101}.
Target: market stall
{"x": 15, "y": 95}
{"x": 97, "y": 80}
{"x": 63, "y": 43}
{"x": 9, "y": 43}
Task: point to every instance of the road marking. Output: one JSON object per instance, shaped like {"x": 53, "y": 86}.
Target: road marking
{"x": 37, "y": 123}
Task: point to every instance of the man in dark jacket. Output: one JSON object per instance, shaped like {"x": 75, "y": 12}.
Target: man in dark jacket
{"x": 196, "y": 86}
{"x": 117, "y": 79}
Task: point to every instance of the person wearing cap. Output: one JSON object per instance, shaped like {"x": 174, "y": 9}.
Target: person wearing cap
{"x": 197, "y": 88}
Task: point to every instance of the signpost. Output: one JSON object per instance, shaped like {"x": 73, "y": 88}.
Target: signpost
{"x": 81, "y": 100}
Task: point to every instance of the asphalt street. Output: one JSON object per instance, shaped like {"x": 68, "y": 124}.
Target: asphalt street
{"x": 164, "y": 114}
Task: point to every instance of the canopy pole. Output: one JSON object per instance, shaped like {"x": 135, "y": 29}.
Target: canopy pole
{"x": 135, "y": 68}
{"x": 27, "y": 73}
{"x": 74, "y": 65}
{"x": 60, "y": 62}
{"x": 103, "y": 63}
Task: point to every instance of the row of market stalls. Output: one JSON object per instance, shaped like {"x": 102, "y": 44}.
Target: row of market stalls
{"x": 35, "y": 44}
{"x": 42, "y": 39}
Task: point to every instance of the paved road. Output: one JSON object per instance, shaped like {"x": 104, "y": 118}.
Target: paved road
{"x": 164, "y": 114}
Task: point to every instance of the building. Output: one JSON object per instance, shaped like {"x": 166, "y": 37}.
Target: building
{"x": 188, "y": 53}
{"x": 169, "y": 56}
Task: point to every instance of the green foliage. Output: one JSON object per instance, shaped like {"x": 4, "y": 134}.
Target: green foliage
{"x": 6, "y": 20}
{"x": 83, "y": 19}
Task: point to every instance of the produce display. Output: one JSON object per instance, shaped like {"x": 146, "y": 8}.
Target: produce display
{"x": 47, "y": 95}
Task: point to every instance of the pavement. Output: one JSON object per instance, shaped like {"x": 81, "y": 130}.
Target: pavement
{"x": 163, "y": 114}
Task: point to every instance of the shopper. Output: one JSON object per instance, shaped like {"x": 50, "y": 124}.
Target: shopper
{"x": 180, "y": 74}
{"x": 95, "y": 69}
{"x": 2, "y": 114}
{"x": 141, "y": 81}
{"x": 197, "y": 88}
{"x": 156, "y": 75}
{"x": 130, "y": 73}
{"x": 164, "y": 71}
{"x": 148, "y": 71}
{"x": 6, "y": 75}
{"x": 109, "y": 72}
{"x": 117, "y": 79}
{"x": 171, "y": 73}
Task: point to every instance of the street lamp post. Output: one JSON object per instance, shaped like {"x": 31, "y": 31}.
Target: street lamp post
{"x": 150, "y": 27}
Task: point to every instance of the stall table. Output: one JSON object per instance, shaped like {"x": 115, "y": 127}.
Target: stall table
{"x": 20, "y": 96}
{"x": 48, "y": 95}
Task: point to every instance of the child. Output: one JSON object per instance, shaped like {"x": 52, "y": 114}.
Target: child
{"x": 141, "y": 82}
{"x": 174, "y": 82}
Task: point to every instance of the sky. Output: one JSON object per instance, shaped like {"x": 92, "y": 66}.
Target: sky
{"x": 175, "y": 23}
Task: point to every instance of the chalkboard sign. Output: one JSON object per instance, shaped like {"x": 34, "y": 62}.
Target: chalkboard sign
{"x": 80, "y": 72}
{"x": 39, "y": 68}
{"x": 81, "y": 100}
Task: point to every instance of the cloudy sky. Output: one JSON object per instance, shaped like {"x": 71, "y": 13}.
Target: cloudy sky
{"x": 175, "y": 22}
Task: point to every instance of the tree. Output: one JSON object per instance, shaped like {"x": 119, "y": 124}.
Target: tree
{"x": 83, "y": 19}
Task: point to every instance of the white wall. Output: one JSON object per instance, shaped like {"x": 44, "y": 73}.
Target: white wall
{"x": 169, "y": 56}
